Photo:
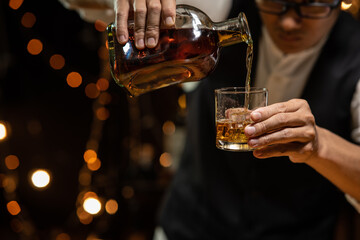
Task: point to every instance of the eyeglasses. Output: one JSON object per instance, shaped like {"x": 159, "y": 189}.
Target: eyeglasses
{"x": 315, "y": 10}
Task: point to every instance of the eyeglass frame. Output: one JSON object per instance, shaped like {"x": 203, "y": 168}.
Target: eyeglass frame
{"x": 296, "y": 6}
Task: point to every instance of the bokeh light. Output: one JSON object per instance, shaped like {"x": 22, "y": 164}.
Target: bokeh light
{"x": 63, "y": 236}
{"x": 92, "y": 91}
{"x": 9, "y": 184}
{"x": 3, "y": 131}
{"x": 57, "y": 61}
{"x": 90, "y": 156}
{"x": 105, "y": 98}
{"x": 102, "y": 84}
{"x": 127, "y": 192}
{"x": 182, "y": 101}
{"x": 28, "y": 20}
{"x": 92, "y": 205}
{"x": 16, "y": 225}
{"x": 15, "y": 4}
{"x": 12, "y": 162}
{"x": 13, "y": 208}
{"x": 111, "y": 206}
{"x": 168, "y": 128}
{"x": 74, "y": 79}
{"x": 165, "y": 159}
{"x": 94, "y": 166}
{"x": 40, "y": 178}
{"x": 84, "y": 217}
{"x": 35, "y": 46}
{"x": 102, "y": 113}
{"x": 84, "y": 178}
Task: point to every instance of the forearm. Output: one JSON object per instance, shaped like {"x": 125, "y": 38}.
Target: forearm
{"x": 339, "y": 161}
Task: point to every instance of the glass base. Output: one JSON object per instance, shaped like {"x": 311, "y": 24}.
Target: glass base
{"x": 233, "y": 146}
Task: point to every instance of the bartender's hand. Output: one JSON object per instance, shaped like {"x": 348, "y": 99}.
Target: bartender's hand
{"x": 284, "y": 129}
{"x": 148, "y": 15}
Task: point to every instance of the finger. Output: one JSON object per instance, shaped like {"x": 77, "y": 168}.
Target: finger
{"x": 122, "y": 8}
{"x": 153, "y": 22}
{"x": 275, "y": 123}
{"x": 287, "y": 135}
{"x": 168, "y": 12}
{"x": 140, "y": 12}
{"x": 263, "y": 113}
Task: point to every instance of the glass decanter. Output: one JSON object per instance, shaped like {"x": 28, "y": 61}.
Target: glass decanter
{"x": 187, "y": 52}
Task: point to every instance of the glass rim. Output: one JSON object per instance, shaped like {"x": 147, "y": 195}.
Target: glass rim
{"x": 233, "y": 90}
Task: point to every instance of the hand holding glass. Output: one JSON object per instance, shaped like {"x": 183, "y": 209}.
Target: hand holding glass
{"x": 232, "y": 108}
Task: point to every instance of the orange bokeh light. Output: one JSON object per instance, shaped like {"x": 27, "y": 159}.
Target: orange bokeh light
{"x": 102, "y": 84}
{"x": 111, "y": 206}
{"x": 28, "y": 20}
{"x": 104, "y": 98}
{"x": 15, "y": 4}
{"x": 35, "y": 46}
{"x": 102, "y": 113}
{"x": 84, "y": 217}
{"x": 91, "y": 90}
{"x": 168, "y": 128}
{"x": 165, "y": 160}
{"x": 12, "y": 162}
{"x": 127, "y": 192}
{"x": 90, "y": 156}
{"x": 100, "y": 25}
{"x": 94, "y": 166}
{"x": 13, "y": 208}
{"x": 57, "y": 61}
{"x": 74, "y": 79}
{"x": 63, "y": 236}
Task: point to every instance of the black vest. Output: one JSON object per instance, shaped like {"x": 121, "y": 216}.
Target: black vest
{"x": 223, "y": 195}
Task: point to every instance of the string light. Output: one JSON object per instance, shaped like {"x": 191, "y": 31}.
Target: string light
{"x": 35, "y": 46}
{"x": 182, "y": 101}
{"x": 15, "y": 4}
{"x": 92, "y": 91}
{"x": 74, "y": 79}
{"x": 168, "y": 128}
{"x": 3, "y": 131}
{"x": 13, "y": 208}
{"x": 92, "y": 205}
{"x": 111, "y": 206}
{"x": 57, "y": 61}
{"x": 63, "y": 236}
{"x": 12, "y": 162}
{"x": 40, "y": 178}
{"x": 94, "y": 166}
{"x": 28, "y": 20}
{"x": 165, "y": 159}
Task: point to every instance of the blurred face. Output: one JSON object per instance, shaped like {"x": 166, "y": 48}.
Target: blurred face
{"x": 292, "y": 33}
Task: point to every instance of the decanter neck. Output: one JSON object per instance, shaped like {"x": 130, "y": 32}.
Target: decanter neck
{"x": 234, "y": 30}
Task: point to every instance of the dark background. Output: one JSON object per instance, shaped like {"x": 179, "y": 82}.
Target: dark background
{"x": 31, "y": 92}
